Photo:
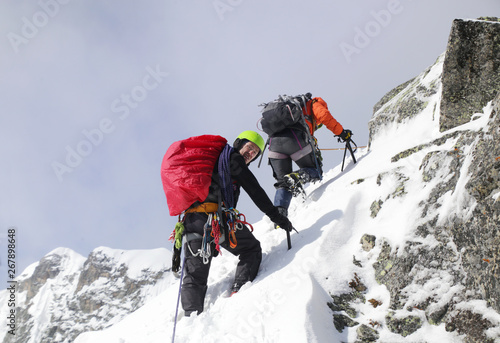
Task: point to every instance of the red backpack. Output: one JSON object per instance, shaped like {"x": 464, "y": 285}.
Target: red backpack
{"x": 186, "y": 170}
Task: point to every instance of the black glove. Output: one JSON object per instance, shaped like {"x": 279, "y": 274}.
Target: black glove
{"x": 176, "y": 260}
{"x": 345, "y": 135}
{"x": 283, "y": 223}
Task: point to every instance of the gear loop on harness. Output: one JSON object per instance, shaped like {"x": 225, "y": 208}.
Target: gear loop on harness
{"x": 244, "y": 221}
{"x": 206, "y": 251}
{"x": 213, "y": 232}
{"x": 216, "y": 233}
{"x": 235, "y": 222}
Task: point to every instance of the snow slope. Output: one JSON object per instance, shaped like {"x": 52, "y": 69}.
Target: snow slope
{"x": 287, "y": 302}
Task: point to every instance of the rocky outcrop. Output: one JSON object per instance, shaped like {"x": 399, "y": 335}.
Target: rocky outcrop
{"x": 47, "y": 268}
{"x": 479, "y": 237}
{"x": 471, "y": 73}
{"x": 405, "y": 101}
{"x": 66, "y": 294}
{"x": 458, "y": 246}
{"x": 101, "y": 266}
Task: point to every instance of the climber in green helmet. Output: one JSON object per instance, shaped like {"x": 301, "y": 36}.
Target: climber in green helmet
{"x": 230, "y": 174}
{"x": 250, "y": 145}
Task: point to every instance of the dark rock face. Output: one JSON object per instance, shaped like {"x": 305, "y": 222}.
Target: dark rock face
{"x": 472, "y": 325}
{"x": 343, "y": 311}
{"x": 403, "y": 326}
{"x": 466, "y": 249}
{"x": 367, "y": 334}
{"x": 463, "y": 165}
{"x": 471, "y": 74}
{"x": 479, "y": 237}
{"x": 48, "y": 268}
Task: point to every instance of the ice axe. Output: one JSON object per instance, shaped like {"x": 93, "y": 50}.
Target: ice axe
{"x": 288, "y": 239}
{"x": 349, "y": 147}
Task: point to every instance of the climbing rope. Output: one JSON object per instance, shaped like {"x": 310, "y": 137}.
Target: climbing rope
{"x": 178, "y": 300}
{"x": 226, "y": 184}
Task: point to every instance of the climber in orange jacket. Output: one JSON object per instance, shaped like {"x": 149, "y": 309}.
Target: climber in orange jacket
{"x": 316, "y": 113}
{"x": 294, "y": 144}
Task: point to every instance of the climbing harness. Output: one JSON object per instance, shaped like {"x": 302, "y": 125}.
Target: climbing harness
{"x": 213, "y": 232}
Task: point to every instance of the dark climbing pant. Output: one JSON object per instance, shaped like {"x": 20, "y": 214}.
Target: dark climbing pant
{"x": 286, "y": 147}
{"x": 194, "y": 284}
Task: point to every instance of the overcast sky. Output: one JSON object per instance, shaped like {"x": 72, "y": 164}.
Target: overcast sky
{"x": 94, "y": 92}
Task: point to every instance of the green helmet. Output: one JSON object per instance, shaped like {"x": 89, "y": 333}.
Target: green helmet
{"x": 251, "y": 136}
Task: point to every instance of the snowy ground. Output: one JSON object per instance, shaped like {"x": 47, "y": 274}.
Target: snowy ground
{"x": 288, "y": 300}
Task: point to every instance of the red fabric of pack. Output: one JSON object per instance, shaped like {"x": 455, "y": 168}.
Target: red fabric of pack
{"x": 186, "y": 170}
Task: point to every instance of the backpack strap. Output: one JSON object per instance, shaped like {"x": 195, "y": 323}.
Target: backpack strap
{"x": 312, "y": 140}
{"x": 262, "y": 154}
{"x": 222, "y": 225}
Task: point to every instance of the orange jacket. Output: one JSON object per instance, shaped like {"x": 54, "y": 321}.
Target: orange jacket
{"x": 318, "y": 109}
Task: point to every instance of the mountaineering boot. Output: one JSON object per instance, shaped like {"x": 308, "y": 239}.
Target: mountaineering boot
{"x": 235, "y": 288}
{"x": 295, "y": 182}
{"x": 282, "y": 211}
{"x": 292, "y": 179}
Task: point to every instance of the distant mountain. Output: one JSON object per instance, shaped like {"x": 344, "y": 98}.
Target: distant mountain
{"x": 65, "y": 294}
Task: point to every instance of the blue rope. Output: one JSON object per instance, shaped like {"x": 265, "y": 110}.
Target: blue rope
{"x": 225, "y": 176}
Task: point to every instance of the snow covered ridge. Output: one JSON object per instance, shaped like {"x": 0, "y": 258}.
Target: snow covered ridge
{"x": 65, "y": 294}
